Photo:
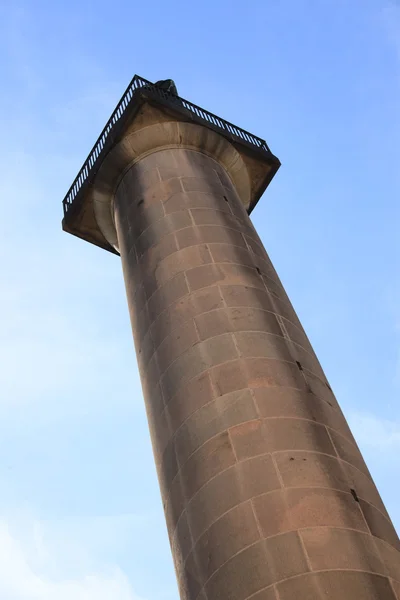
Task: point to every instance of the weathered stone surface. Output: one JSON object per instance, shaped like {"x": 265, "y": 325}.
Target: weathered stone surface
{"x": 298, "y": 508}
{"x": 266, "y": 494}
{"x": 337, "y": 585}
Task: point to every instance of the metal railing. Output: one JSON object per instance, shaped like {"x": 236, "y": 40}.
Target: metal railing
{"x": 148, "y": 89}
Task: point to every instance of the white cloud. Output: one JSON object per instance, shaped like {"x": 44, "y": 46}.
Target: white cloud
{"x": 24, "y": 573}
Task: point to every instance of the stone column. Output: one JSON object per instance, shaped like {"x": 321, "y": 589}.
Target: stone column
{"x": 265, "y": 491}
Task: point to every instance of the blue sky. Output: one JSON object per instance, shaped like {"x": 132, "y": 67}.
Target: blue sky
{"x": 80, "y": 513}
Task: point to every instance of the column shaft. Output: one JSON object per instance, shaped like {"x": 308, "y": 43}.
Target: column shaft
{"x": 265, "y": 491}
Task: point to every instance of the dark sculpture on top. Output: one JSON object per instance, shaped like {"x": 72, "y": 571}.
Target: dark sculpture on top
{"x": 167, "y": 85}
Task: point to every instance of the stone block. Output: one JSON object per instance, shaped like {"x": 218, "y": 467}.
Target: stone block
{"x": 228, "y": 489}
{"x": 272, "y": 435}
{"x": 159, "y": 229}
{"x": 145, "y": 349}
{"x": 256, "y": 247}
{"x": 260, "y": 344}
{"x": 181, "y": 540}
{"x": 329, "y": 548}
{"x": 242, "y": 295}
{"x": 364, "y": 487}
{"x": 174, "y": 502}
{"x": 185, "y": 309}
{"x": 320, "y": 389}
{"x": 214, "y": 235}
{"x": 285, "y": 556}
{"x": 391, "y": 559}
{"x": 243, "y": 575}
{"x": 311, "y": 469}
{"x": 211, "y": 185}
{"x": 215, "y": 322}
{"x": 396, "y": 588}
{"x": 380, "y": 525}
{"x": 228, "y": 377}
{"x": 189, "y": 398}
{"x": 181, "y": 339}
{"x": 141, "y": 216}
{"x": 241, "y": 319}
{"x": 348, "y": 451}
{"x": 289, "y": 402}
{"x": 168, "y": 293}
{"x": 162, "y": 191}
{"x": 230, "y": 534}
{"x": 180, "y": 261}
{"x": 245, "y": 318}
{"x": 297, "y": 508}
{"x": 206, "y": 216}
{"x": 213, "y": 418}
{"x": 266, "y": 372}
{"x": 232, "y": 253}
{"x": 168, "y": 469}
{"x": 336, "y": 585}
{"x": 187, "y": 200}
{"x": 209, "y": 460}
{"x": 152, "y": 257}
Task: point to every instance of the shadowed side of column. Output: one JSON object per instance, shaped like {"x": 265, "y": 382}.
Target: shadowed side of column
{"x": 265, "y": 492}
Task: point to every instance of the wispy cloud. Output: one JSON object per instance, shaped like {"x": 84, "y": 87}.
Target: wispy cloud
{"x": 28, "y": 572}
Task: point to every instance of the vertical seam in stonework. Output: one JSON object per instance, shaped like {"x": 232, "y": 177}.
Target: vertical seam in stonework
{"x": 229, "y": 559}
{"x": 256, "y": 519}
{"x": 303, "y": 574}
{"x": 291, "y": 345}
{"x": 228, "y": 429}
{"x": 305, "y": 551}
{"x": 185, "y": 382}
{"x": 231, "y": 443}
{"x": 278, "y": 473}
{"x": 247, "y": 245}
{"x": 332, "y": 442}
{"x": 190, "y": 291}
{"x": 176, "y": 301}
{"x": 221, "y": 308}
{"x": 213, "y": 437}
{"x": 161, "y": 181}
{"x": 196, "y": 540}
{"x": 219, "y": 397}
{"x": 373, "y": 538}
{"x": 392, "y": 587}
{"x": 215, "y": 397}
{"x": 252, "y": 392}
{"x": 199, "y": 340}
{"x": 255, "y": 403}
{"x": 213, "y": 337}
{"x": 236, "y": 345}
{"x": 222, "y": 297}
{"x": 192, "y": 217}
{"x": 366, "y": 522}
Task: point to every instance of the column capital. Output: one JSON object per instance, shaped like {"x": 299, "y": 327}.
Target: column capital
{"x": 139, "y": 143}
{"x": 148, "y": 119}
